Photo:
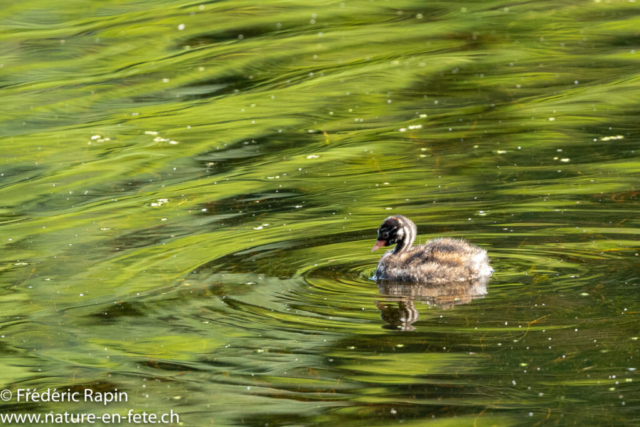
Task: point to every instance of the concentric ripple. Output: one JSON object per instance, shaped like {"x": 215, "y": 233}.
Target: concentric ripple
{"x": 190, "y": 192}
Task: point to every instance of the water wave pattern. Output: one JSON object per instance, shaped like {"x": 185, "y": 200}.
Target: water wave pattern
{"x": 189, "y": 193}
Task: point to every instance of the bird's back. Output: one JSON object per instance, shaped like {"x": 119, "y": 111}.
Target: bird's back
{"x": 438, "y": 260}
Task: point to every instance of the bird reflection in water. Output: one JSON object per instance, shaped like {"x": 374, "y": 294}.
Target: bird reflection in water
{"x": 398, "y": 308}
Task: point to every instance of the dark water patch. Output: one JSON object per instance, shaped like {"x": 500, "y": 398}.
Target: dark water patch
{"x": 220, "y": 260}
{"x": 231, "y": 35}
{"x": 121, "y": 310}
{"x": 171, "y": 367}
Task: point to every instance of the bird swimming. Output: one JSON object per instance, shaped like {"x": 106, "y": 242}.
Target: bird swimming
{"x": 438, "y": 260}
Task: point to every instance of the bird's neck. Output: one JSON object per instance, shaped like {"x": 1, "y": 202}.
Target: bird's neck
{"x": 402, "y": 246}
{"x": 408, "y": 232}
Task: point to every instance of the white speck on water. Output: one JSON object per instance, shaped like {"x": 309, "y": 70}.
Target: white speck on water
{"x": 611, "y": 138}
{"x": 159, "y": 203}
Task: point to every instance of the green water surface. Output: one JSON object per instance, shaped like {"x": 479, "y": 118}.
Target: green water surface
{"x": 189, "y": 192}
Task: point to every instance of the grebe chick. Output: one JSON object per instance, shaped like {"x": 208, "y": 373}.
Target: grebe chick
{"x": 438, "y": 260}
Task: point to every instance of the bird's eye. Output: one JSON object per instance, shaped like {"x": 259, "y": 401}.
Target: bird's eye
{"x": 385, "y": 235}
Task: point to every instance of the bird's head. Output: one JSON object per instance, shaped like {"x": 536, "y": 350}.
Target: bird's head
{"x": 396, "y": 230}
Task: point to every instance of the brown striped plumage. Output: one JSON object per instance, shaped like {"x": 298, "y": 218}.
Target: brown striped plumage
{"x": 439, "y": 260}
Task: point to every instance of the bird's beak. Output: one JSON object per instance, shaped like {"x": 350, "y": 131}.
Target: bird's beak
{"x": 378, "y": 245}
